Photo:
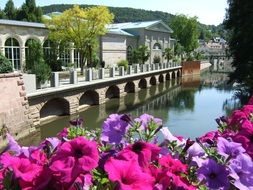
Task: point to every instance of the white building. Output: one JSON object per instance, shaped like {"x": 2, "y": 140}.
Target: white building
{"x": 116, "y": 45}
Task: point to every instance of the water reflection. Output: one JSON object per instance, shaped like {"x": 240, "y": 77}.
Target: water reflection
{"x": 187, "y": 107}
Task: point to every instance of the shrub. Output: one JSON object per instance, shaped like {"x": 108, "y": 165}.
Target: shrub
{"x": 123, "y": 63}
{"x": 5, "y": 65}
{"x": 157, "y": 59}
{"x": 42, "y": 71}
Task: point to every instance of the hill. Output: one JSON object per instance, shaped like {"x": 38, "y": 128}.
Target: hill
{"x": 125, "y": 14}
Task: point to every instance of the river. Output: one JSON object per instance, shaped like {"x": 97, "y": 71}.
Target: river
{"x": 188, "y": 107}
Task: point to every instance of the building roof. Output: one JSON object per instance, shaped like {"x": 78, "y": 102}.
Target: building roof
{"x": 119, "y": 32}
{"x": 22, "y": 23}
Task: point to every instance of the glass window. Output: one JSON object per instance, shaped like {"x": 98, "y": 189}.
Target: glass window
{"x": 65, "y": 56}
{"x": 129, "y": 54}
{"x": 157, "y": 46}
{"x": 77, "y": 58}
{"x": 12, "y": 52}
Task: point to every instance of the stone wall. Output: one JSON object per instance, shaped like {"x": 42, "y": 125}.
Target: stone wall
{"x": 190, "y": 68}
{"x": 14, "y": 107}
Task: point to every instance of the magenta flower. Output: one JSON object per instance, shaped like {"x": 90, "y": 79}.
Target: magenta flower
{"x": 146, "y": 152}
{"x": 144, "y": 120}
{"x": 24, "y": 170}
{"x": 209, "y": 137}
{"x": 173, "y": 165}
{"x": 63, "y": 133}
{"x": 237, "y": 118}
{"x": 114, "y": 129}
{"x": 248, "y": 110}
{"x": 227, "y": 148}
{"x": 73, "y": 158}
{"x": 128, "y": 175}
{"x": 213, "y": 174}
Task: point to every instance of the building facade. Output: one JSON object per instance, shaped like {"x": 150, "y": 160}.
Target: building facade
{"x": 116, "y": 45}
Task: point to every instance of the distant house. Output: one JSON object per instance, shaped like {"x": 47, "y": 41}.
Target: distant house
{"x": 116, "y": 45}
{"x": 216, "y": 45}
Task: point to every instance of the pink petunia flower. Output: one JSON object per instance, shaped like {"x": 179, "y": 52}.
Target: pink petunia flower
{"x": 128, "y": 175}
{"x": 73, "y": 158}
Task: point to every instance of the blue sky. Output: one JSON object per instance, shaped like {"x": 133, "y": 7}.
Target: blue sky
{"x": 207, "y": 11}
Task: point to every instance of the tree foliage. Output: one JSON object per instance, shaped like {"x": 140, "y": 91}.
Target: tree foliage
{"x": 82, "y": 27}
{"x": 185, "y": 30}
{"x": 124, "y": 14}
{"x": 29, "y": 12}
{"x": 10, "y": 10}
{"x": 239, "y": 21}
{"x": 140, "y": 54}
{"x": 5, "y": 64}
{"x": 169, "y": 54}
{"x": 35, "y": 62}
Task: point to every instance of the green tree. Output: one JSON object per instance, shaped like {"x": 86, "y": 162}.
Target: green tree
{"x": 239, "y": 23}
{"x": 81, "y": 27}
{"x": 2, "y": 15}
{"x": 140, "y": 54}
{"x": 186, "y": 31}
{"x": 169, "y": 54}
{"x": 5, "y": 64}
{"x": 35, "y": 62}
{"x": 30, "y": 12}
{"x": 9, "y": 10}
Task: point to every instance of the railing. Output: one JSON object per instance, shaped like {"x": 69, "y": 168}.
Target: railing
{"x": 91, "y": 74}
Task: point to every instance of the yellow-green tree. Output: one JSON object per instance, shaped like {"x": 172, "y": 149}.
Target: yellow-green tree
{"x": 82, "y": 27}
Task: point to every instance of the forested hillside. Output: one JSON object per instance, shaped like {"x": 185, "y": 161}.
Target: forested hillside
{"x": 133, "y": 15}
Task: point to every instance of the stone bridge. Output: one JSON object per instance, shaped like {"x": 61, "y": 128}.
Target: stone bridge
{"x": 68, "y": 100}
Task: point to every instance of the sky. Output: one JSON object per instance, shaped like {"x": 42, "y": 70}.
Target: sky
{"x": 207, "y": 11}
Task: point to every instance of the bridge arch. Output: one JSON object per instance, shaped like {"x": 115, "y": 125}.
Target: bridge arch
{"x": 112, "y": 92}
{"x": 142, "y": 83}
{"x": 129, "y": 87}
{"x": 178, "y": 73}
{"x": 161, "y": 78}
{"x": 90, "y": 97}
{"x": 152, "y": 80}
{"x": 55, "y": 107}
{"x": 173, "y": 75}
{"x": 167, "y": 76}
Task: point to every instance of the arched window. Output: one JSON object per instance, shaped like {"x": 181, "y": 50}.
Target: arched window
{"x": 157, "y": 46}
{"x": 129, "y": 54}
{"x": 64, "y": 54}
{"x": 47, "y": 48}
{"x": 12, "y": 52}
{"x": 77, "y": 58}
{"x": 26, "y": 47}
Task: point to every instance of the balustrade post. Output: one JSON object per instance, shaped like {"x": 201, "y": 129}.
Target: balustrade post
{"x": 73, "y": 77}
{"x": 136, "y": 68}
{"x": 152, "y": 67}
{"x": 130, "y": 70}
{"x": 112, "y": 72}
{"x": 89, "y": 74}
{"x": 147, "y": 67}
{"x": 55, "y": 79}
{"x": 121, "y": 71}
{"x": 101, "y": 73}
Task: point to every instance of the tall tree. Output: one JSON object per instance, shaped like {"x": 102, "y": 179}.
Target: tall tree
{"x": 2, "y": 15}
{"x": 30, "y": 12}
{"x": 82, "y": 27}
{"x": 239, "y": 21}
{"x": 186, "y": 31}
{"x": 9, "y": 10}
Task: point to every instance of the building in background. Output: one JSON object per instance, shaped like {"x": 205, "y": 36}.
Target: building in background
{"x": 116, "y": 45}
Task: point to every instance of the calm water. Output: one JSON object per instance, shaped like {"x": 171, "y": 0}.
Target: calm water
{"x": 187, "y": 107}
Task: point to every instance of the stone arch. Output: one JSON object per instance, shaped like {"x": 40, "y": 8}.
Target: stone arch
{"x": 33, "y": 38}
{"x": 152, "y": 80}
{"x": 161, "y": 78}
{"x": 112, "y": 92}
{"x": 17, "y": 37}
{"x": 55, "y": 107}
{"x": 157, "y": 46}
{"x": 167, "y": 76}
{"x": 173, "y": 75}
{"x": 142, "y": 83}
{"x": 129, "y": 87}
{"x": 90, "y": 97}
{"x": 178, "y": 73}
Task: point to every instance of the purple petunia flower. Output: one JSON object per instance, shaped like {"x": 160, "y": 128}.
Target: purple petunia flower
{"x": 241, "y": 170}
{"x": 144, "y": 119}
{"x": 113, "y": 129}
{"x": 76, "y": 122}
{"x": 213, "y": 174}
{"x": 227, "y": 148}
